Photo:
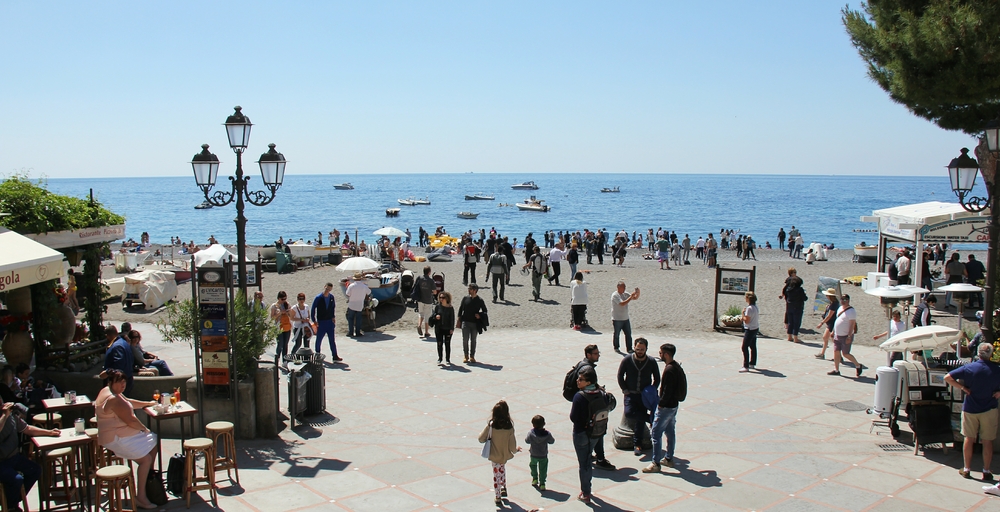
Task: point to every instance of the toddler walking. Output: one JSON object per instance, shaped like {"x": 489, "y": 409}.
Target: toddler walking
{"x": 539, "y": 440}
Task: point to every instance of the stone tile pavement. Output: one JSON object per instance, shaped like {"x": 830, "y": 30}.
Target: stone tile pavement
{"x": 401, "y": 434}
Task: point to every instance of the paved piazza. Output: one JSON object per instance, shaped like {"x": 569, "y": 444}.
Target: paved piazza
{"x": 403, "y": 434}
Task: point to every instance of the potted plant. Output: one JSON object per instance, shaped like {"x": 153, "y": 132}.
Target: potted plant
{"x": 732, "y": 317}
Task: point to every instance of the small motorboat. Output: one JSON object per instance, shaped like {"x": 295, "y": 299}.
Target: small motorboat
{"x": 405, "y": 202}
{"x": 606, "y": 189}
{"x": 532, "y": 204}
{"x": 467, "y": 215}
{"x": 302, "y": 251}
{"x": 863, "y": 253}
{"x": 410, "y": 201}
{"x": 479, "y": 197}
{"x": 424, "y": 201}
{"x": 384, "y": 287}
{"x": 392, "y": 212}
{"x": 205, "y": 205}
{"x": 527, "y": 185}
{"x": 344, "y": 186}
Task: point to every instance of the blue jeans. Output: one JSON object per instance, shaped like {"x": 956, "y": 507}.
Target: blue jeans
{"x": 353, "y": 322}
{"x": 16, "y": 471}
{"x": 584, "y": 445}
{"x": 622, "y": 326}
{"x": 572, "y": 271}
{"x": 325, "y": 327}
{"x": 162, "y": 367}
{"x": 638, "y": 416}
{"x": 281, "y": 350}
{"x": 793, "y": 317}
{"x": 664, "y": 422}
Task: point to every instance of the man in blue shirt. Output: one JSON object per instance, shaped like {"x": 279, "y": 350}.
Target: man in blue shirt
{"x": 322, "y": 313}
{"x": 119, "y": 356}
{"x": 980, "y": 381}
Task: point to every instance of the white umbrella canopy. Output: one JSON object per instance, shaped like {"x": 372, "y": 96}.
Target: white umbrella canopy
{"x": 926, "y": 337}
{"x": 960, "y": 288}
{"x": 358, "y": 264}
{"x": 896, "y": 292}
{"x": 390, "y": 232}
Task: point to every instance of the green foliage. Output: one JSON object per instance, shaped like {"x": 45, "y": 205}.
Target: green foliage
{"x": 91, "y": 292}
{"x": 938, "y": 58}
{"x": 33, "y": 209}
{"x": 250, "y": 333}
{"x": 179, "y": 322}
{"x": 43, "y": 308}
{"x": 733, "y": 311}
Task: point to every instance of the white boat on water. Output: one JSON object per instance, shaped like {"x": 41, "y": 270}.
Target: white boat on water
{"x": 205, "y": 205}
{"x": 467, "y": 215}
{"x": 344, "y": 186}
{"x": 302, "y": 251}
{"x": 865, "y": 252}
{"x": 479, "y": 197}
{"x": 532, "y": 204}
{"x": 527, "y": 185}
{"x": 606, "y": 189}
{"x": 410, "y": 201}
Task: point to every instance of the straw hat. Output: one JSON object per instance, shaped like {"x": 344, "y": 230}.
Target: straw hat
{"x": 830, "y": 292}
{"x": 358, "y": 276}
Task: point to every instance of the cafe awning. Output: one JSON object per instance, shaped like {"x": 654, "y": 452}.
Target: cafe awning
{"x": 24, "y": 262}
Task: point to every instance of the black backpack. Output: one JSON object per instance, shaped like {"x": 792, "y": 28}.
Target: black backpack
{"x": 569, "y": 383}
{"x": 599, "y": 410}
{"x": 175, "y": 475}
{"x": 681, "y": 390}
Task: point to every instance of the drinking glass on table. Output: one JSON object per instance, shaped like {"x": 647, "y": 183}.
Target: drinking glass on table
{"x": 173, "y": 400}
{"x": 156, "y": 395}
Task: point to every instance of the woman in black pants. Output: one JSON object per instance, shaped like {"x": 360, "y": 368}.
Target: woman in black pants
{"x": 795, "y": 302}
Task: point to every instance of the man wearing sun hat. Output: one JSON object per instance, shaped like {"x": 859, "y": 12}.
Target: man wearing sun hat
{"x": 829, "y": 318}
{"x": 357, "y": 292}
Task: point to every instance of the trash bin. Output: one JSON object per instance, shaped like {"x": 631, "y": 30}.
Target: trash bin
{"x": 336, "y": 258}
{"x": 298, "y": 379}
{"x": 315, "y": 402}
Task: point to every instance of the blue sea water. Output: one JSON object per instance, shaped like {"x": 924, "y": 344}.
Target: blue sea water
{"x": 826, "y": 209}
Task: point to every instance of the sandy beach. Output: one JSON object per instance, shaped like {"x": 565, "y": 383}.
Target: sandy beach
{"x": 678, "y": 300}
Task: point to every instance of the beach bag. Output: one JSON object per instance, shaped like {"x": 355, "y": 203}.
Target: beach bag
{"x": 154, "y": 488}
{"x": 488, "y": 445}
{"x": 175, "y": 474}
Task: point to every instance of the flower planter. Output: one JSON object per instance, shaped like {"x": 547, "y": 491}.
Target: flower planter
{"x": 18, "y": 348}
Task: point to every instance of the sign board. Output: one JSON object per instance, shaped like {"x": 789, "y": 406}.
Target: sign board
{"x": 969, "y": 229}
{"x": 215, "y": 366}
{"x": 888, "y": 226}
{"x": 251, "y": 273}
{"x": 79, "y": 237}
{"x": 731, "y": 281}
{"x": 820, "y": 301}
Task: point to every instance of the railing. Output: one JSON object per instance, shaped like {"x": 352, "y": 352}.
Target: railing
{"x": 70, "y": 353}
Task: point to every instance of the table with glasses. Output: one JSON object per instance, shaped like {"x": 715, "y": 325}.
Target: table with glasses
{"x": 68, "y": 438}
{"x": 179, "y": 411}
{"x": 54, "y": 405}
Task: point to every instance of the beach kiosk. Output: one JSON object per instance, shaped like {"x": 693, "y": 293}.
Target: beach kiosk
{"x": 923, "y": 223}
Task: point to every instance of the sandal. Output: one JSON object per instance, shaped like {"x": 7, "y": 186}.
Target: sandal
{"x": 820, "y": 356}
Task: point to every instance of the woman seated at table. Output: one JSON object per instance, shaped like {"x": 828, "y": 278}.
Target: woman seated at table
{"x": 121, "y": 432}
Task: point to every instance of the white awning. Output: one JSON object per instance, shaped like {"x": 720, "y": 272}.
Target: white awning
{"x": 24, "y": 262}
{"x": 932, "y": 222}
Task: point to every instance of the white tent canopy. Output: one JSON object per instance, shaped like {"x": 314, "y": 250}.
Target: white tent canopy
{"x": 24, "y": 262}
{"x": 214, "y": 254}
{"x": 931, "y": 222}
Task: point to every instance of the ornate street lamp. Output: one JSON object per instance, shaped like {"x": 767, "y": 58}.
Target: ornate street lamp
{"x": 962, "y": 173}
{"x": 272, "y": 171}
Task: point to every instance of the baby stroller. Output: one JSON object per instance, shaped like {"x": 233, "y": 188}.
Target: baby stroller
{"x": 438, "y": 278}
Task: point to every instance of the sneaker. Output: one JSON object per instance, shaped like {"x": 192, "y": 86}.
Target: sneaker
{"x": 820, "y": 356}
{"x": 744, "y": 369}
{"x": 499, "y": 502}
{"x": 667, "y": 462}
{"x": 359, "y": 334}
{"x": 991, "y": 489}
{"x": 859, "y": 369}
{"x": 833, "y": 372}
{"x": 965, "y": 473}
{"x": 541, "y": 487}
{"x": 534, "y": 483}
{"x": 465, "y": 359}
{"x": 638, "y": 452}
{"x": 338, "y": 359}
{"x": 472, "y": 359}
{"x": 584, "y": 498}
{"x": 753, "y": 367}
{"x": 439, "y": 361}
{"x": 605, "y": 464}
{"x": 503, "y": 492}
{"x": 987, "y": 476}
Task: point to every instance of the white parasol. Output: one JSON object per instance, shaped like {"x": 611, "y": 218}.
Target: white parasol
{"x": 390, "y": 232}
{"x": 960, "y": 288}
{"x": 925, "y": 337}
{"x": 357, "y": 264}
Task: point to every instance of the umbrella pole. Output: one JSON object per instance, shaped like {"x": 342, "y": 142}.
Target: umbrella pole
{"x": 888, "y": 335}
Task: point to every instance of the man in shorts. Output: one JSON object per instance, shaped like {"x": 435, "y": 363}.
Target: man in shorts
{"x": 426, "y": 290}
{"x": 980, "y": 382}
{"x": 843, "y": 335}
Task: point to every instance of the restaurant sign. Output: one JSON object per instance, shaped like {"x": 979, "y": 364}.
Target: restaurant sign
{"x": 968, "y": 229}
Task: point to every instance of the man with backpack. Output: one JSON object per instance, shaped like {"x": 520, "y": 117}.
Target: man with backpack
{"x": 591, "y": 354}
{"x": 498, "y": 269}
{"x": 673, "y": 390}
{"x": 635, "y": 372}
{"x": 591, "y": 407}
{"x": 539, "y": 266}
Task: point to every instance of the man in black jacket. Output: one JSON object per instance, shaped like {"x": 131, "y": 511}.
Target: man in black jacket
{"x": 470, "y": 315}
{"x": 591, "y": 354}
{"x": 665, "y": 419}
{"x": 635, "y": 372}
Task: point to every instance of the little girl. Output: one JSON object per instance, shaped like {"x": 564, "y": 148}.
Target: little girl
{"x": 444, "y": 325}
{"x": 503, "y": 446}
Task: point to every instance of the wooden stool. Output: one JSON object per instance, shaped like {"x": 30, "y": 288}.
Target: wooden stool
{"x": 118, "y": 479}
{"x": 3, "y": 499}
{"x": 60, "y": 465}
{"x": 42, "y": 420}
{"x": 192, "y": 482}
{"x": 221, "y": 433}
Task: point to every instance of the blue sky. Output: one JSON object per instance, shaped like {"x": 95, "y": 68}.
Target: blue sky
{"x": 134, "y": 88}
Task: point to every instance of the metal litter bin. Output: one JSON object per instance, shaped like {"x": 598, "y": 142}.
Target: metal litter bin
{"x": 298, "y": 379}
{"x": 316, "y": 387}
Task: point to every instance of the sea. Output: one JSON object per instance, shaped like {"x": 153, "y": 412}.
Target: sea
{"x": 826, "y": 209}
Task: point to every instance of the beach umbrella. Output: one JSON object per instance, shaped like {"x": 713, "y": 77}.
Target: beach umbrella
{"x": 357, "y": 264}
{"x": 390, "y": 232}
{"x": 960, "y": 288}
{"x": 894, "y": 292}
{"x": 925, "y": 337}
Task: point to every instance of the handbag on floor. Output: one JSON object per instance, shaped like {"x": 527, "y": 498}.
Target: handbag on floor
{"x": 154, "y": 488}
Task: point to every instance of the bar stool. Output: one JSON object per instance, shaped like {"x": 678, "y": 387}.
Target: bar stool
{"x": 118, "y": 479}
{"x": 221, "y": 433}
{"x": 3, "y": 499}
{"x": 60, "y": 465}
{"x": 42, "y": 420}
{"x": 192, "y": 482}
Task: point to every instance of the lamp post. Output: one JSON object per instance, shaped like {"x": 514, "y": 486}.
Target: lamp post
{"x": 962, "y": 174}
{"x": 272, "y": 171}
